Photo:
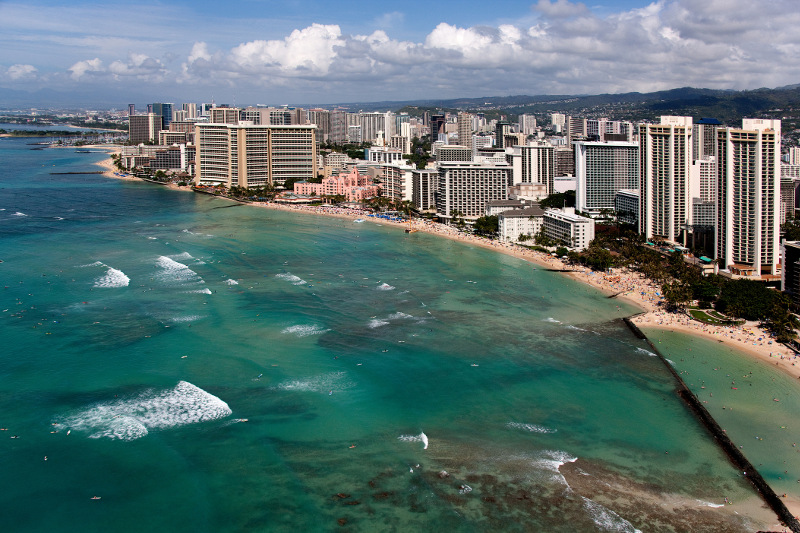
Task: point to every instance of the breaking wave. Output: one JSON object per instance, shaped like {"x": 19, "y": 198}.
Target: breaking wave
{"x": 114, "y": 278}
{"x": 422, "y": 437}
{"x": 533, "y": 428}
{"x": 302, "y": 330}
{"x": 291, "y": 278}
{"x": 133, "y": 418}
{"x": 385, "y": 287}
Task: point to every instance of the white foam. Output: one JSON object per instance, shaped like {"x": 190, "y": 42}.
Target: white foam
{"x": 302, "y": 330}
{"x": 398, "y": 316}
{"x": 607, "y": 519}
{"x": 385, "y": 287}
{"x": 185, "y": 256}
{"x": 646, "y": 352}
{"x": 709, "y": 504}
{"x": 376, "y": 323}
{"x": 175, "y": 272}
{"x": 133, "y": 418}
{"x": 464, "y": 489}
{"x": 533, "y": 428}
{"x": 551, "y": 461}
{"x": 95, "y": 264}
{"x": 422, "y": 437}
{"x": 570, "y": 326}
{"x": 231, "y": 282}
{"x": 182, "y": 319}
{"x": 59, "y": 218}
{"x": 551, "y": 319}
{"x": 19, "y": 214}
{"x": 202, "y": 291}
{"x": 337, "y": 381}
{"x": 113, "y": 279}
{"x": 291, "y": 278}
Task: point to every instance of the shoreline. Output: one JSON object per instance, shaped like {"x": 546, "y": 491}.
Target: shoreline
{"x": 622, "y": 284}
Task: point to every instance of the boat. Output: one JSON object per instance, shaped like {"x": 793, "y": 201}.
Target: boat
{"x": 95, "y": 497}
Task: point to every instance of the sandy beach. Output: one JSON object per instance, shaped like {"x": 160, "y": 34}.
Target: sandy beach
{"x": 623, "y": 284}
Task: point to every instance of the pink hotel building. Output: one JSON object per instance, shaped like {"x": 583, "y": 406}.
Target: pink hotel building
{"x": 353, "y": 186}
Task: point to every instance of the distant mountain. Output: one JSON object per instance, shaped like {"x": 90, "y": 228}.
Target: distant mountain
{"x": 727, "y": 105}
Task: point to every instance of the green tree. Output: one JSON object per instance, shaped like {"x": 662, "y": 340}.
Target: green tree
{"x": 487, "y": 225}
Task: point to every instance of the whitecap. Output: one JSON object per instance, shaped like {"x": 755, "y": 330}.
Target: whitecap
{"x": 59, "y": 218}
{"x": 183, "y": 256}
{"x": 422, "y": 437}
{"x": 302, "y": 330}
{"x": 95, "y": 264}
{"x": 551, "y": 319}
{"x": 646, "y": 352}
{"x": 202, "y": 291}
{"x": 398, "y": 316}
{"x": 113, "y": 279}
{"x": 551, "y": 461}
{"x": 182, "y": 319}
{"x": 376, "y": 323}
{"x": 175, "y": 272}
{"x": 607, "y": 519}
{"x": 709, "y": 504}
{"x": 291, "y": 278}
{"x": 323, "y": 383}
{"x": 133, "y": 418}
{"x": 385, "y": 287}
{"x": 533, "y": 428}
{"x": 19, "y": 214}
{"x": 231, "y": 282}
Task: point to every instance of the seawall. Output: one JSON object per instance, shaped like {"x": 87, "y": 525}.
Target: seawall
{"x": 731, "y": 450}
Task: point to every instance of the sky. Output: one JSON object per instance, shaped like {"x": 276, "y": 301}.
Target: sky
{"x": 323, "y": 52}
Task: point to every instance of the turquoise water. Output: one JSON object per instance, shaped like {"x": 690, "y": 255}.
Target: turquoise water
{"x": 201, "y": 365}
{"x": 740, "y": 393}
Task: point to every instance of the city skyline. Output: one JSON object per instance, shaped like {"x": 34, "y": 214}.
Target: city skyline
{"x": 314, "y": 52}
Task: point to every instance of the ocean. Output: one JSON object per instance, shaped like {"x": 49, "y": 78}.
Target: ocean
{"x": 198, "y": 365}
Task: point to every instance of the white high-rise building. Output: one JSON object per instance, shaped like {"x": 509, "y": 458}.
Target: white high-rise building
{"x": 601, "y": 171}
{"x": 527, "y": 124}
{"x": 665, "y": 168}
{"x": 748, "y": 197}
{"x": 794, "y": 155}
{"x": 534, "y": 163}
{"x": 558, "y": 120}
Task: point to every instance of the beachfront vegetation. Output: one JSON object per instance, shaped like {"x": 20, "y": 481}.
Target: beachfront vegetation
{"x": 682, "y": 283}
{"x": 558, "y": 200}
{"x": 487, "y": 225}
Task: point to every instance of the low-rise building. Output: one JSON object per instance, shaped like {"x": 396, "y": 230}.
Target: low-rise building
{"x": 517, "y": 225}
{"x": 353, "y": 186}
{"x": 574, "y": 231}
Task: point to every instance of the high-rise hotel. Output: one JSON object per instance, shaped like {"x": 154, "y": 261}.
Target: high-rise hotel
{"x": 748, "y": 197}
{"x": 665, "y": 160}
{"x": 246, "y": 155}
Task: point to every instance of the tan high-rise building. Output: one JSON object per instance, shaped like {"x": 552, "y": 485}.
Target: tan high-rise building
{"x": 224, "y": 115}
{"x": 465, "y": 129}
{"x": 748, "y": 197}
{"x": 665, "y": 161}
{"x": 143, "y": 128}
{"x": 254, "y": 156}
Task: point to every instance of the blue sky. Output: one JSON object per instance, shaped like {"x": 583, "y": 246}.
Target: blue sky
{"x": 311, "y": 51}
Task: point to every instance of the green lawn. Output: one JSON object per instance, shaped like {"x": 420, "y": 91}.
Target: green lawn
{"x": 713, "y": 317}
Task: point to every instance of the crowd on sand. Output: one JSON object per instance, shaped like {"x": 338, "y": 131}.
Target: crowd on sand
{"x": 622, "y": 283}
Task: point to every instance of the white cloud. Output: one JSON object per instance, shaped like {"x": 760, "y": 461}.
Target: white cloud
{"x": 21, "y": 72}
{"x": 564, "y": 47}
{"x": 88, "y": 66}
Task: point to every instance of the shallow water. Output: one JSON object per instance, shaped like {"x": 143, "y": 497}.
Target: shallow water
{"x": 205, "y": 366}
